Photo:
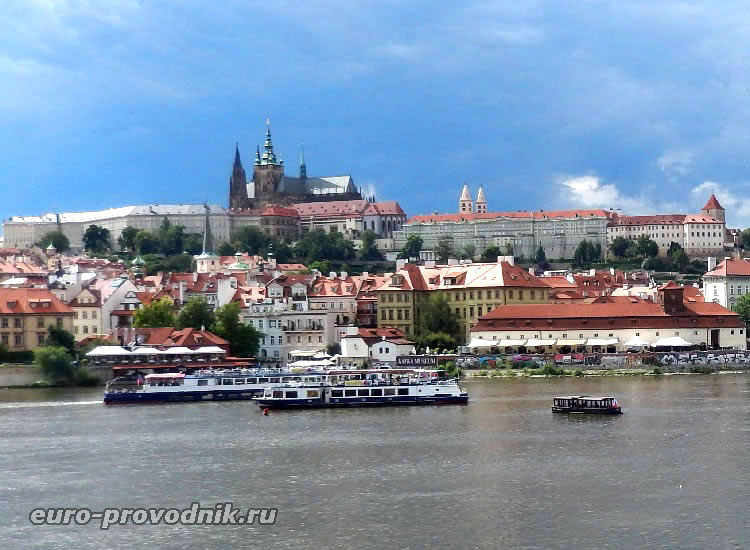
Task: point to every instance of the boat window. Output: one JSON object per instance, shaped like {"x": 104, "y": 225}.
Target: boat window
{"x": 227, "y": 381}
{"x": 363, "y": 393}
{"x": 262, "y": 380}
{"x": 252, "y": 380}
{"x": 313, "y": 393}
{"x": 403, "y": 391}
{"x": 350, "y": 393}
{"x": 286, "y": 379}
{"x": 390, "y": 391}
{"x": 376, "y": 392}
{"x": 337, "y": 393}
{"x": 291, "y": 394}
{"x": 274, "y": 380}
{"x": 278, "y": 394}
{"x": 239, "y": 380}
{"x": 203, "y": 382}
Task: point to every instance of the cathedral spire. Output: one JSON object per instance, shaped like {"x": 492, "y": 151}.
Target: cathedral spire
{"x": 302, "y": 165}
{"x": 257, "y": 154}
{"x": 465, "y": 204}
{"x": 208, "y": 241}
{"x": 237, "y": 161}
{"x": 481, "y": 202}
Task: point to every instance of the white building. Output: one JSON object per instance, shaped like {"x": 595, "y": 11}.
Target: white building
{"x": 378, "y": 344}
{"x": 727, "y": 282}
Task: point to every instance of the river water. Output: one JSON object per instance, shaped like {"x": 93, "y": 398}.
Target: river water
{"x": 501, "y": 472}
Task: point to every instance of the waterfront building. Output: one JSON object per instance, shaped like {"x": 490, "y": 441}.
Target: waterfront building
{"x": 472, "y": 290}
{"x": 376, "y": 344}
{"x": 727, "y": 282}
{"x": 702, "y": 234}
{"x": 608, "y": 323}
{"x": 27, "y": 313}
{"x": 559, "y": 232}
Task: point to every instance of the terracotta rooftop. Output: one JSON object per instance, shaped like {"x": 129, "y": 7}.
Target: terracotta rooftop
{"x": 354, "y": 208}
{"x": 731, "y": 267}
{"x": 31, "y": 301}
{"x": 536, "y": 215}
{"x": 713, "y": 203}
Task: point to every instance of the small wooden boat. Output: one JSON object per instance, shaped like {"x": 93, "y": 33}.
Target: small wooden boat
{"x": 585, "y": 404}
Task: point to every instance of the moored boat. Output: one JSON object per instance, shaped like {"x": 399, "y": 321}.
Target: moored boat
{"x": 365, "y": 388}
{"x": 585, "y": 404}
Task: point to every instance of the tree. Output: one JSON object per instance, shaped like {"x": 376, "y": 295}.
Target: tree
{"x": 619, "y": 246}
{"x": 596, "y": 253}
{"x": 96, "y": 239}
{"x": 58, "y": 337}
{"x": 177, "y": 263}
{"x": 280, "y": 250}
{"x": 324, "y": 266}
{"x": 742, "y": 308}
{"x": 369, "y": 251}
{"x": 490, "y": 254}
{"x": 193, "y": 243}
{"x": 196, "y": 314}
{"x": 646, "y": 247}
{"x": 146, "y": 243}
{"x": 469, "y": 252}
{"x": 55, "y": 363}
{"x": 541, "y": 256}
{"x": 226, "y": 249}
{"x": 673, "y": 247}
{"x": 126, "y": 240}
{"x": 159, "y": 313}
{"x": 436, "y": 340}
{"x": 318, "y": 245}
{"x": 412, "y": 248}
{"x": 680, "y": 259}
{"x": 444, "y": 248}
{"x": 244, "y": 339}
{"x": 57, "y": 239}
{"x": 745, "y": 239}
{"x": 509, "y": 249}
{"x": 249, "y": 239}
{"x": 436, "y": 316}
{"x": 171, "y": 238}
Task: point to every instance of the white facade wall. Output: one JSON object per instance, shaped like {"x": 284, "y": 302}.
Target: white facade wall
{"x": 725, "y": 290}
{"x": 697, "y": 239}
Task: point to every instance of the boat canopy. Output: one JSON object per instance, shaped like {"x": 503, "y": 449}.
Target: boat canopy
{"x": 317, "y": 363}
{"x": 165, "y": 375}
{"x": 636, "y": 342}
{"x": 179, "y": 350}
{"x": 672, "y": 342}
{"x": 147, "y": 351}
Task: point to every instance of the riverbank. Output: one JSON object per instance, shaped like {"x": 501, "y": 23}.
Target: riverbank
{"x": 15, "y": 375}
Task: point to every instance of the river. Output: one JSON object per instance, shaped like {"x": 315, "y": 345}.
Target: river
{"x": 501, "y": 472}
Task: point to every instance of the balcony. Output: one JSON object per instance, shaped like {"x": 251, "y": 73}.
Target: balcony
{"x": 311, "y": 328}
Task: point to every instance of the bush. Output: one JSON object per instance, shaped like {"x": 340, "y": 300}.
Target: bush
{"x": 551, "y": 370}
{"x": 23, "y": 356}
{"x": 482, "y": 373}
{"x": 578, "y": 372}
{"x": 701, "y": 369}
{"x": 657, "y": 370}
{"x": 85, "y": 378}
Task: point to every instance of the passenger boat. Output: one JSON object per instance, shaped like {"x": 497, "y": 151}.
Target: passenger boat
{"x": 202, "y": 385}
{"x": 585, "y": 404}
{"x": 363, "y": 388}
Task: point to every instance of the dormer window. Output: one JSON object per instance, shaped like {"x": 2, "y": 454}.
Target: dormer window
{"x": 12, "y": 304}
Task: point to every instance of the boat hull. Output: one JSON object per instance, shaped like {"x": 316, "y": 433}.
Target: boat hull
{"x": 135, "y": 398}
{"x": 565, "y": 410}
{"x": 361, "y": 402}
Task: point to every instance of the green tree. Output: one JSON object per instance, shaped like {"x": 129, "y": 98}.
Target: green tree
{"x": 469, "y": 252}
{"x": 742, "y": 308}
{"x": 436, "y": 340}
{"x": 680, "y": 260}
{"x": 226, "y": 249}
{"x": 369, "y": 251}
{"x": 249, "y": 239}
{"x": 146, "y": 242}
{"x": 171, "y": 238}
{"x": 177, "y": 263}
{"x": 318, "y": 245}
{"x": 243, "y": 339}
{"x": 96, "y": 239}
{"x": 57, "y": 239}
{"x": 196, "y": 314}
{"x": 490, "y": 254}
{"x": 193, "y": 243}
{"x": 619, "y": 246}
{"x": 745, "y": 239}
{"x": 646, "y": 247}
{"x": 596, "y": 252}
{"x": 541, "y": 256}
{"x": 508, "y": 249}
{"x": 126, "y": 240}
{"x": 55, "y": 363}
{"x": 280, "y": 250}
{"x": 159, "y": 313}
{"x": 412, "y": 248}
{"x": 58, "y": 337}
{"x": 324, "y": 266}
{"x": 444, "y": 248}
{"x": 436, "y": 316}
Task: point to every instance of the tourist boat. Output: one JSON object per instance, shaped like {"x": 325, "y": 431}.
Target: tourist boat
{"x": 201, "y": 385}
{"x": 364, "y": 388}
{"x": 585, "y": 404}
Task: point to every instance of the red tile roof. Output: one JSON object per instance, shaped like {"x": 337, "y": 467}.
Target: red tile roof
{"x": 713, "y": 203}
{"x": 658, "y": 219}
{"x": 36, "y": 301}
{"x": 536, "y": 215}
{"x": 731, "y": 267}
{"x": 347, "y": 209}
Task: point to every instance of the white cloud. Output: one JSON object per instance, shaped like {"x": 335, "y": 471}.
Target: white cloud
{"x": 590, "y": 192}
{"x": 676, "y": 163}
{"x": 737, "y": 206}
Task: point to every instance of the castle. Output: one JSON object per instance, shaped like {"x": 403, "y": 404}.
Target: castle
{"x": 269, "y": 184}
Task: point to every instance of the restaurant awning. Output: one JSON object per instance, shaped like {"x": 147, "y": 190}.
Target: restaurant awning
{"x": 672, "y": 342}
{"x": 538, "y": 343}
{"x": 570, "y": 342}
{"x": 209, "y": 349}
{"x": 602, "y": 342}
{"x": 100, "y": 351}
{"x": 179, "y": 350}
{"x": 636, "y": 342}
{"x": 147, "y": 351}
{"x": 510, "y": 343}
{"x": 482, "y": 343}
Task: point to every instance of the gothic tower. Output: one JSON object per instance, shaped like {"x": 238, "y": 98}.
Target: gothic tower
{"x": 238, "y": 183}
{"x": 465, "y": 204}
{"x": 713, "y": 209}
{"x": 481, "y": 202}
{"x": 267, "y": 171}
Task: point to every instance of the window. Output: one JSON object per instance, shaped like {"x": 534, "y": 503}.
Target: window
{"x": 520, "y": 294}
{"x": 291, "y": 395}
{"x": 350, "y": 393}
{"x": 403, "y": 391}
{"x": 40, "y": 322}
{"x": 203, "y": 382}
{"x": 4, "y": 339}
{"x": 376, "y": 392}
{"x": 18, "y": 339}
{"x": 510, "y": 294}
{"x": 40, "y": 338}
{"x": 17, "y": 322}
{"x": 75, "y": 329}
{"x": 363, "y": 393}
{"x": 84, "y": 315}
{"x": 85, "y": 329}
{"x": 389, "y": 391}
{"x": 337, "y": 393}
{"x": 227, "y": 382}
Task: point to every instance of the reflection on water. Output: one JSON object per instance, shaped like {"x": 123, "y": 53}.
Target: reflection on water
{"x": 502, "y": 472}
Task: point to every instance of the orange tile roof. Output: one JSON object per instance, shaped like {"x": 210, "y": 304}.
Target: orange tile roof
{"x": 536, "y": 215}
{"x": 731, "y": 267}
{"x": 713, "y": 203}
{"x": 31, "y": 301}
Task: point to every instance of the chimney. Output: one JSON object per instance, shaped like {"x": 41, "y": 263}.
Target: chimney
{"x": 429, "y": 263}
{"x": 612, "y": 271}
{"x": 195, "y": 276}
{"x": 711, "y": 263}
{"x": 400, "y": 264}
{"x": 365, "y": 275}
{"x": 331, "y": 274}
{"x": 531, "y": 271}
{"x": 592, "y": 272}
{"x": 343, "y": 275}
{"x": 452, "y": 261}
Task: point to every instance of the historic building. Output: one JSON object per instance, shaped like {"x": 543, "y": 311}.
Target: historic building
{"x": 270, "y": 185}
{"x": 727, "y": 282}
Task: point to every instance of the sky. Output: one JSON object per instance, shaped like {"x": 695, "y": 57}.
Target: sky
{"x": 641, "y": 106}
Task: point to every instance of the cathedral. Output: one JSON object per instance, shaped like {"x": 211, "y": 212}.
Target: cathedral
{"x": 269, "y": 184}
